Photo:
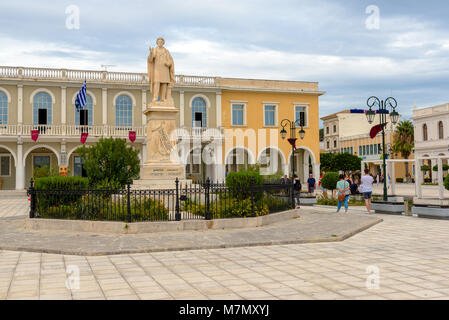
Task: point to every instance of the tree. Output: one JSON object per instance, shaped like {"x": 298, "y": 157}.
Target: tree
{"x": 404, "y": 141}
{"x": 347, "y": 162}
{"x": 340, "y": 161}
{"x": 326, "y": 161}
{"x": 329, "y": 181}
{"x": 110, "y": 160}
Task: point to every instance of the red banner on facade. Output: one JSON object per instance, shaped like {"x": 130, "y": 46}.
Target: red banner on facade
{"x": 132, "y": 136}
{"x": 34, "y": 134}
{"x": 83, "y": 137}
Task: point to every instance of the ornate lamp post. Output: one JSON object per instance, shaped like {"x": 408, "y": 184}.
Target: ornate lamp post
{"x": 292, "y": 139}
{"x": 382, "y": 111}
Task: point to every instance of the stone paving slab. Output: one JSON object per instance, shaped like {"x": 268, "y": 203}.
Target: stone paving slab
{"x": 314, "y": 225}
{"x": 13, "y": 206}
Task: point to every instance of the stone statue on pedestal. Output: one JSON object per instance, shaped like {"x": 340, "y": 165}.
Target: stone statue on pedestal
{"x": 162, "y": 165}
{"x": 161, "y": 72}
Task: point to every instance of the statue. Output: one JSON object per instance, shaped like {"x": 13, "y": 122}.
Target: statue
{"x": 161, "y": 73}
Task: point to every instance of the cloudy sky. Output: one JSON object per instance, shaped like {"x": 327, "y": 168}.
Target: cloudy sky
{"x": 340, "y": 44}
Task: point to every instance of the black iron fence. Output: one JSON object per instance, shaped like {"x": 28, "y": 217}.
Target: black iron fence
{"x": 208, "y": 200}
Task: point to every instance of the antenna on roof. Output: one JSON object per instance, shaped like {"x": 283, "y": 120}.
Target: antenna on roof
{"x": 105, "y": 66}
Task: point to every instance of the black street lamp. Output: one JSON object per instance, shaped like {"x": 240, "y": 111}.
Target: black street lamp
{"x": 382, "y": 111}
{"x": 292, "y": 139}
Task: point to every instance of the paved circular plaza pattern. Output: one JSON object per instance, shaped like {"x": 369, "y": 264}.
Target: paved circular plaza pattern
{"x": 410, "y": 254}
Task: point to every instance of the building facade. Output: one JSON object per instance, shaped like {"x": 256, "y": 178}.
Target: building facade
{"x": 223, "y": 123}
{"x": 431, "y": 136}
{"x": 349, "y": 133}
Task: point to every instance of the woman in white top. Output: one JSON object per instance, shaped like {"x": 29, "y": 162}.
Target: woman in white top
{"x": 366, "y": 187}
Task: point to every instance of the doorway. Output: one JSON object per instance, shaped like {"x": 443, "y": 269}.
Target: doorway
{"x": 42, "y": 119}
{"x": 84, "y": 119}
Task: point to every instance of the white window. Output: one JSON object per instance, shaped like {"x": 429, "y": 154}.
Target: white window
{"x": 238, "y": 114}
{"x": 302, "y": 116}
{"x": 270, "y": 115}
{"x": 5, "y": 165}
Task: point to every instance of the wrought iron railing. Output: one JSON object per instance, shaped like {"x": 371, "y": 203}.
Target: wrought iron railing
{"x": 183, "y": 202}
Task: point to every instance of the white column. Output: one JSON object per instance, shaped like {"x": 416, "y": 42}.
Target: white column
{"x": 440, "y": 178}
{"x": 20, "y": 169}
{"x": 316, "y": 172}
{"x": 144, "y": 106}
{"x": 418, "y": 175}
{"x": 181, "y": 108}
{"x": 306, "y": 166}
{"x": 218, "y": 104}
{"x": 63, "y": 105}
{"x": 104, "y": 100}
{"x": 432, "y": 163}
{"x": 20, "y": 104}
{"x": 220, "y": 174}
{"x": 393, "y": 178}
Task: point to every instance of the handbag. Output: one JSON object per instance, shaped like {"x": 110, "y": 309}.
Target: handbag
{"x": 341, "y": 197}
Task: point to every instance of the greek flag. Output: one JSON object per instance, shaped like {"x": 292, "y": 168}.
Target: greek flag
{"x": 81, "y": 97}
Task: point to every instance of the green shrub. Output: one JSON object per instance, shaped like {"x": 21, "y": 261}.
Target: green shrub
{"x": 425, "y": 168}
{"x": 399, "y": 180}
{"x": 45, "y": 171}
{"x": 95, "y": 207}
{"x": 110, "y": 159}
{"x": 52, "y": 185}
{"x": 61, "y": 183}
{"x": 445, "y": 167}
{"x": 325, "y": 201}
{"x": 239, "y": 182}
{"x": 329, "y": 180}
{"x": 276, "y": 204}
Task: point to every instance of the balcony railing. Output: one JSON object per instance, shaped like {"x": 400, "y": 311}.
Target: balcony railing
{"x": 70, "y": 130}
{"x": 97, "y": 76}
{"x": 199, "y": 133}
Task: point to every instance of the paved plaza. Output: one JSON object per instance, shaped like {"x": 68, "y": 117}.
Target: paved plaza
{"x": 410, "y": 254}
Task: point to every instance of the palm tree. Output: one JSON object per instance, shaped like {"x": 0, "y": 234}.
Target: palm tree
{"x": 404, "y": 141}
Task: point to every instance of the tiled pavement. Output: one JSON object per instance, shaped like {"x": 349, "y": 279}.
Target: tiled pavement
{"x": 411, "y": 254}
{"x": 14, "y": 207}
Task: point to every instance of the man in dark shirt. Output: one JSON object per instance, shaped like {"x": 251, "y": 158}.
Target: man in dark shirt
{"x": 311, "y": 184}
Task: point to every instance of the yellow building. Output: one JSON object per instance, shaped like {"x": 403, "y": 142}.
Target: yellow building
{"x": 252, "y": 111}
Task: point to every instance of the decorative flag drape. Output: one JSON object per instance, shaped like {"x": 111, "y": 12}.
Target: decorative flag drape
{"x": 132, "y": 136}
{"x": 375, "y": 130}
{"x": 81, "y": 97}
{"x": 292, "y": 141}
{"x": 34, "y": 135}
{"x": 84, "y": 137}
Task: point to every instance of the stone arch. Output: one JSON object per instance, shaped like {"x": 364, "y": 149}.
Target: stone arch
{"x": 8, "y": 95}
{"x": 53, "y": 98}
{"x": 12, "y": 153}
{"x": 125, "y": 93}
{"x": 58, "y": 156}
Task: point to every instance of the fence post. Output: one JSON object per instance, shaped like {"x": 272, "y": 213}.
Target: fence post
{"x": 32, "y": 194}
{"x": 208, "y": 214}
{"x": 128, "y": 187}
{"x": 177, "y": 212}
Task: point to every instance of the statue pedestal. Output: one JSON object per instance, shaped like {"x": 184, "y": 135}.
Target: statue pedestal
{"x": 162, "y": 166}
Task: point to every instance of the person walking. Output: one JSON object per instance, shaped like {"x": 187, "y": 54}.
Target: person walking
{"x": 296, "y": 190}
{"x": 311, "y": 183}
{"x": 342, "y": 193}
{"x": 366, "y": 187}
